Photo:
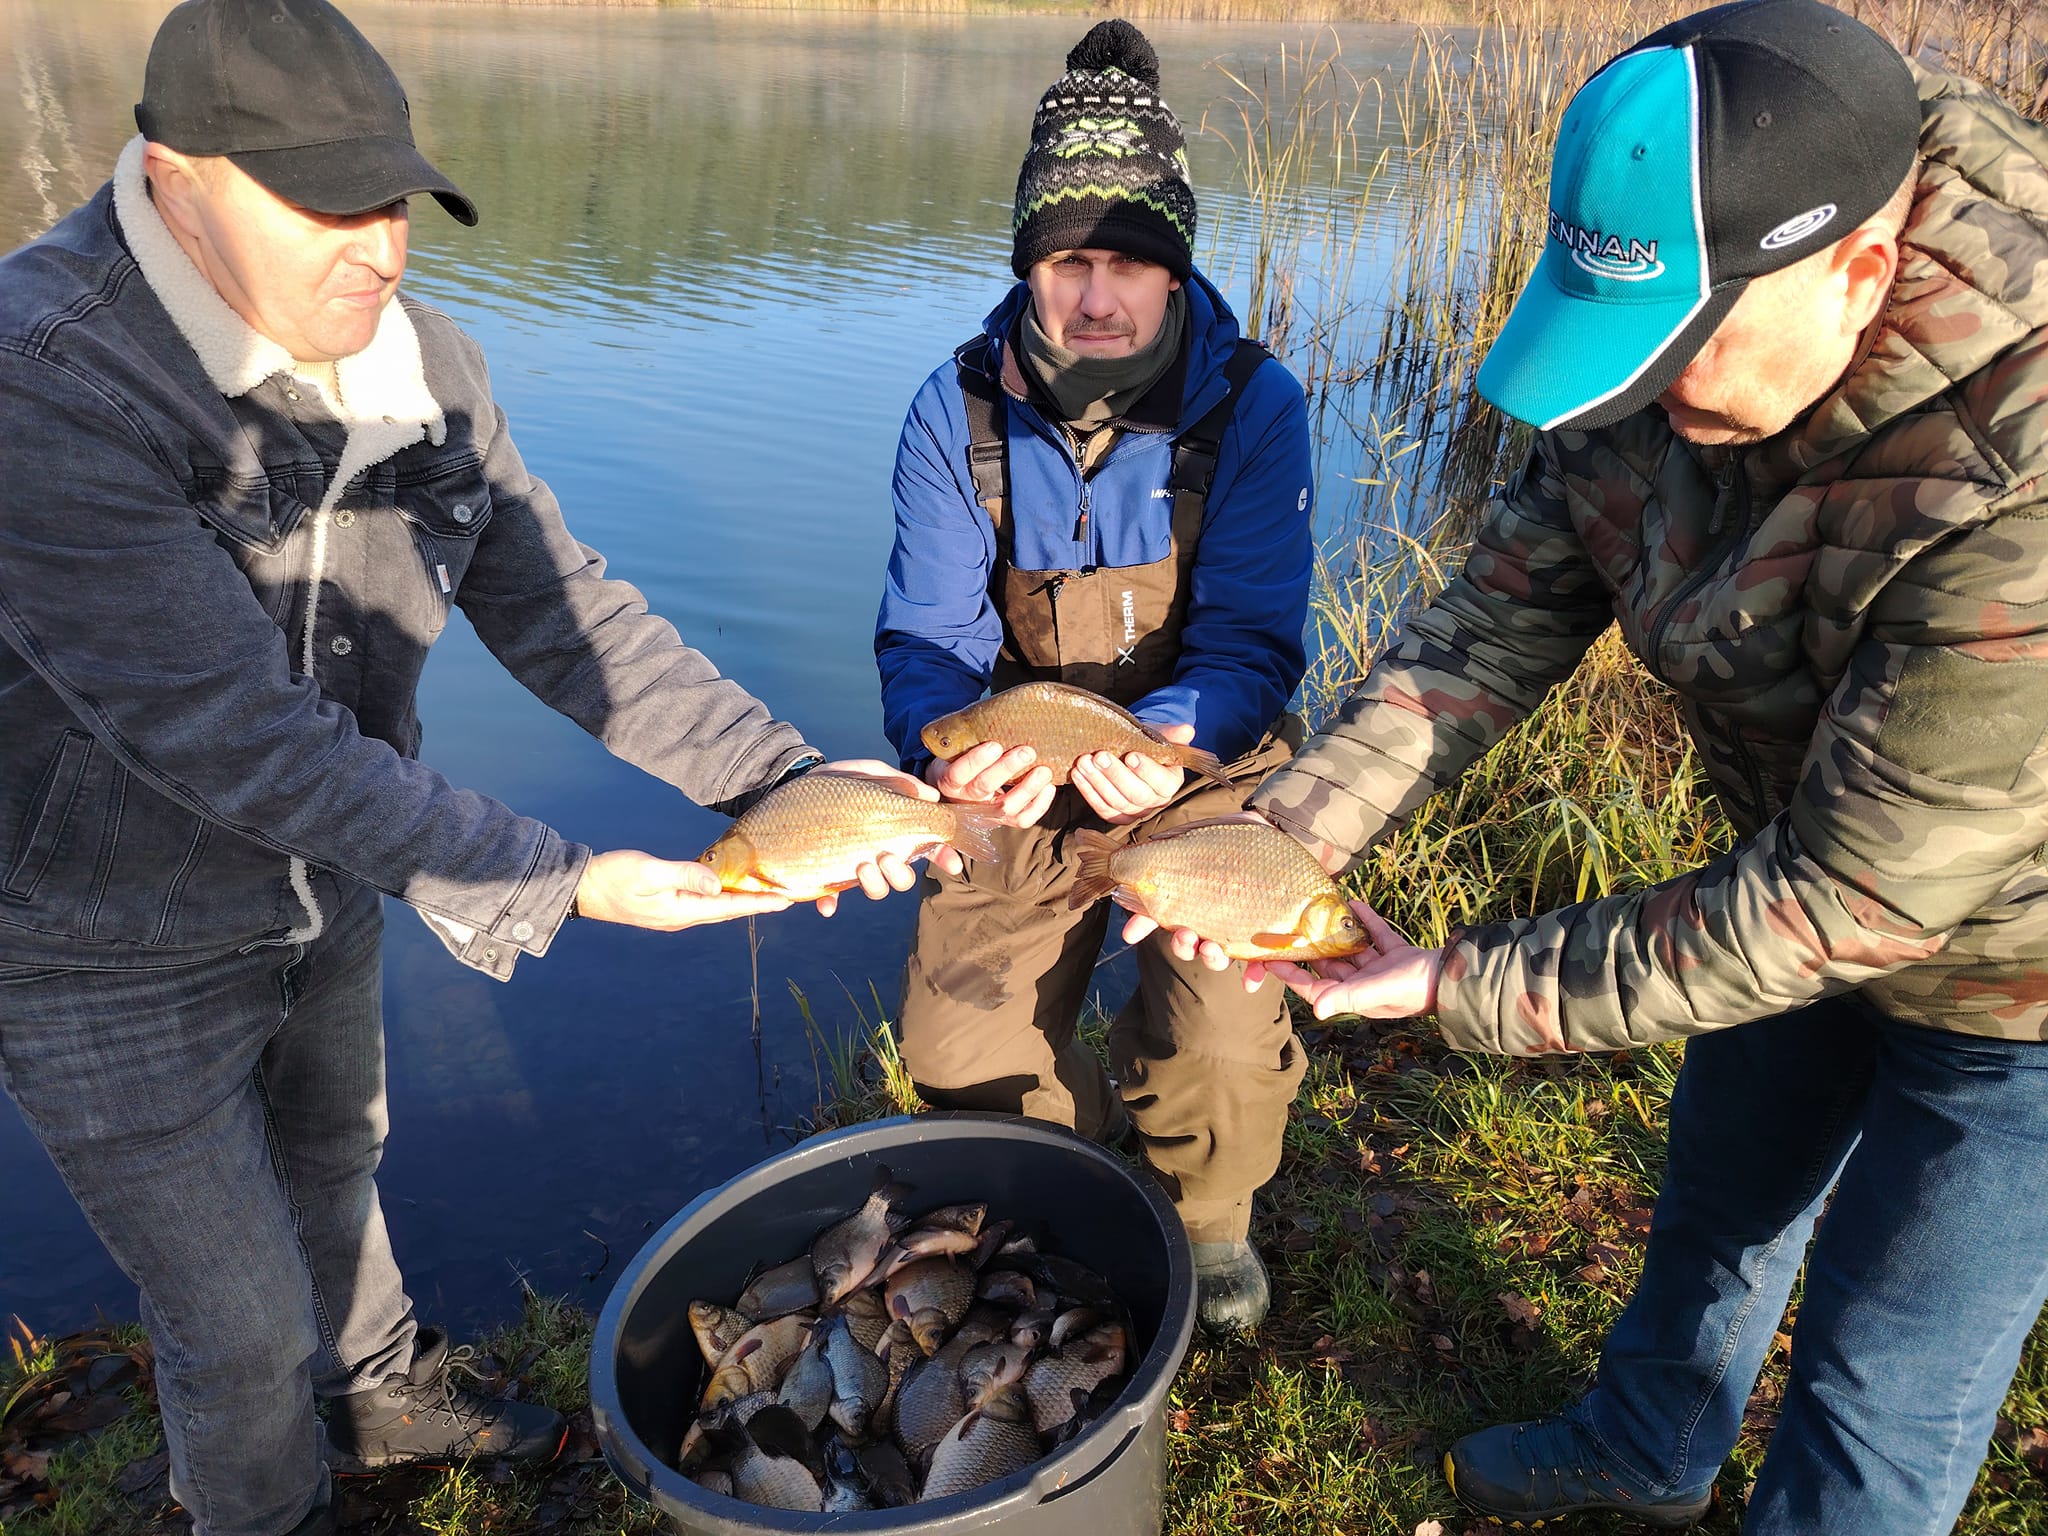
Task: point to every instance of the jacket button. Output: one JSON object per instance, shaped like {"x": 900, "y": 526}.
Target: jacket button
{"x": 341, "y": 645}
{"x": 522, "y": 931}
{"x": 344, "y": 518}
{"x": 490, "y": 957}
{"x": 462, "y": 512}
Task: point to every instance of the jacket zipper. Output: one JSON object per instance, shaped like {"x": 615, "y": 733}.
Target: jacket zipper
{"x": 1728, "y": 480}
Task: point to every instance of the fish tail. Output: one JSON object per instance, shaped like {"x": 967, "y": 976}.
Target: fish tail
{"x": 1206, "y": 763}
{"x": 974, "y": 832}
{"x": 1092, "y": 852}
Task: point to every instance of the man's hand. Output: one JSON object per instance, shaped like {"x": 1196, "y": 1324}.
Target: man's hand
{"x": 1392, "y": 980}
{"x": 1125, "y": 789}
{"x": 992, "y": 772}
{"x": 885, "y": 872}
{"x": 645, "y": 892}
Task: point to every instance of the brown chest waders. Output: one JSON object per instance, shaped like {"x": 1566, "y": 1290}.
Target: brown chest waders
{"x": 1001, "y": 968}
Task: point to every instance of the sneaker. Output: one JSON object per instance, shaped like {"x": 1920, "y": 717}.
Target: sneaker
{"x": 1232, "y": 1293}
{"x": 423, "y": 1416}
{"x": 1527, "y": 1474}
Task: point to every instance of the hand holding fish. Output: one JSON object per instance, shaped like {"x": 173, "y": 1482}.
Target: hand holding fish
{"x": 1186, "y": 944}
{"x": 988, "y": 772}
{"x": 886, "y": 872}
{"x": 1393, "y": 980}
{"x": 1129, "y": 788}
{"x": 625, "y": 886}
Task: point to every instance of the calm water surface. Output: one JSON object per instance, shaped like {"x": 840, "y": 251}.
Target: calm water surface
{"x": 718, "y": 253}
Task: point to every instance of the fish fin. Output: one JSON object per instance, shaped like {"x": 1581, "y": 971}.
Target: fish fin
{"x": 1092, "y": 853}
{"x": 779, "y": 1430}
{"x": 1199, "y": 760}
{"x": 974, "y": 833}
{"x": 1278, "y": 942}
{"x": 885, "y": 1184}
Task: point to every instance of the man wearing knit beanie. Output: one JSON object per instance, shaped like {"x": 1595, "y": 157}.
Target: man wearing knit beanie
{"x": 1106, "y": 487}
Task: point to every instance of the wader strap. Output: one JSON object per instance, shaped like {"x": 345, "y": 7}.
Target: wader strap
{"x": 1195, "y": 450}
{"x": 981, "y": 396}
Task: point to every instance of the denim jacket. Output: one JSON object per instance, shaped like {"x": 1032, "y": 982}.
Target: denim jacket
{"x": 218, "y": 585}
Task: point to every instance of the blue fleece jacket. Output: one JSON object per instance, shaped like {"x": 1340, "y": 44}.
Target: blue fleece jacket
{"x": 1242, "y": 654}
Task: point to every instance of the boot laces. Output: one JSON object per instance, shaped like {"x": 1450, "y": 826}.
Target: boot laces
{"x": 441, "y": 1394}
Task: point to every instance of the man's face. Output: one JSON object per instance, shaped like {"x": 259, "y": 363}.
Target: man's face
{"x": 1100, "y": 303}
{"x": 1783, "y": 346}
{"x": 314, "y": 283}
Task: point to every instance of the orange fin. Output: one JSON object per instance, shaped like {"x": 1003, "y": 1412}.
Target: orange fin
{"x": 1277, "y": 941}
{"x": 1092, "y": 852}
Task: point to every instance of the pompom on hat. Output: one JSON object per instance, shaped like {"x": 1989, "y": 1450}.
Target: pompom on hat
{"x": 1108, "y": 165}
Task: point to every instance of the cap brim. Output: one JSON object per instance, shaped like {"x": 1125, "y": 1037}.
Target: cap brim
{"x": 351, "y": 176}
{"x": 1567, "y": 361}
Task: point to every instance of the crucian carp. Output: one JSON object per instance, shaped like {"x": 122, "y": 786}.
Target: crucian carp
{"x": 1061, "y": 724}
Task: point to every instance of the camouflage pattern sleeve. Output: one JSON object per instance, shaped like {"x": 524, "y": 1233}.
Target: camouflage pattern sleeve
{"x": 1923, "y": 794}
{"x": 1507, "y": 629}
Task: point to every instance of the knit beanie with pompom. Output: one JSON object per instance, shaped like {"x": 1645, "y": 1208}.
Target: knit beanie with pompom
{"x": 1108, "y": 166}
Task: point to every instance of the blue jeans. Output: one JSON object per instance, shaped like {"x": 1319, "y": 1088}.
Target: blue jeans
{"x": 1928, "y": 1272}
{"x": 220, "y": 1123}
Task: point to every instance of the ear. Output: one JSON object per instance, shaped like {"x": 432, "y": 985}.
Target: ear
{"x": 1173, "y": 285}
{"x": 175, "y": 187}
{"x": 1865, "y": 262}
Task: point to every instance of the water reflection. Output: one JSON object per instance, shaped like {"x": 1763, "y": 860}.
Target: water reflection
{"x": 719, "y": 252}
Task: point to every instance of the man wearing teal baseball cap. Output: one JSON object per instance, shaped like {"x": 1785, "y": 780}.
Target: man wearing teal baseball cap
{"x": 1787, "y": 351}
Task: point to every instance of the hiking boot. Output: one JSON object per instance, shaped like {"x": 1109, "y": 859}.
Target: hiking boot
{"x": 1232, "y": 1292}
{"x": 1528, "y": 1474}
{"x": 319, "y": 1521}
{"x": 424, "y": 1416}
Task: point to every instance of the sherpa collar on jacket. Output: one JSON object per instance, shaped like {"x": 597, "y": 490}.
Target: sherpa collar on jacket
{"x": 384, "y": 400}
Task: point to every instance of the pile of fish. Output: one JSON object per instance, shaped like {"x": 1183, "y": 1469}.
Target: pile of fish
{"x": 902, "y": 1358}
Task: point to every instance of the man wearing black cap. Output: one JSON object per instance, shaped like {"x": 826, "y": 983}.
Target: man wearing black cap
{"x": 243, "y": 485}
{"x": 1787, "y": 346}
{"x": 1106, "y": 488}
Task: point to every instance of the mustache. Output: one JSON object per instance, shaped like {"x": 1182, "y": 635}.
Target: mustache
{"x": 1105, "y": 330}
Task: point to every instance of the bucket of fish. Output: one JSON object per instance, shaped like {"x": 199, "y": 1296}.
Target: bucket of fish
{"x": 863, "y": 1320}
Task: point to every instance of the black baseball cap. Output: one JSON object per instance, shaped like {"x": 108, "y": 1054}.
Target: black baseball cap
{"x": 1727, "y": 145}
{"x": 293, "y": 94}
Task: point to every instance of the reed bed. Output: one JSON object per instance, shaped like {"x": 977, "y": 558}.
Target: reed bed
{"x": 1450, "y": 1238}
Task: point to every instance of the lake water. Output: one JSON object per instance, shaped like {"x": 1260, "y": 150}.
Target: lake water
{"x": 719, "y": 251}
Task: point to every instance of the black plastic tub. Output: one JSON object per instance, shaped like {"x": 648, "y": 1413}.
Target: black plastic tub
{"x": 646, "y": 1374}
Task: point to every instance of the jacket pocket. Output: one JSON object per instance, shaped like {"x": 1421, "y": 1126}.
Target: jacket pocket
{"x": 49, "y": 809}
{"x": 447, "y": 509}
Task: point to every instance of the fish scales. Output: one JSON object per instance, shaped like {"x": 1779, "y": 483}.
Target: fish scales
{"x": 1060, "y": 723}
{"x": 993, "y": 1441}
{"x": 1246, "y": 885}
{"x": 808, "y": 838}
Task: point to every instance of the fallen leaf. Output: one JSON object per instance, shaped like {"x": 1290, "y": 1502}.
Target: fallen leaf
{"x": 1519, "y": 1309}
{"x": 26, "y": 1466}
{"x": 1430, "y": 1528}
{"x": 1180, "y": 1421}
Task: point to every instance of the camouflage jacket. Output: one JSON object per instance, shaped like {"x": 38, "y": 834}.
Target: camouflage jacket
{"x": 1855, "y": 617}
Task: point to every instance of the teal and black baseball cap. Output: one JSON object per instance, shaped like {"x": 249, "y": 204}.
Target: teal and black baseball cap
{"x": 1729, "y": 144}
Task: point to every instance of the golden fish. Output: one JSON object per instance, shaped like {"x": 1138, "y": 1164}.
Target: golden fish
{"x": 1244, "y": 884}
{"x": 1060, "y": 723}
{"x": 806, "y": 839}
